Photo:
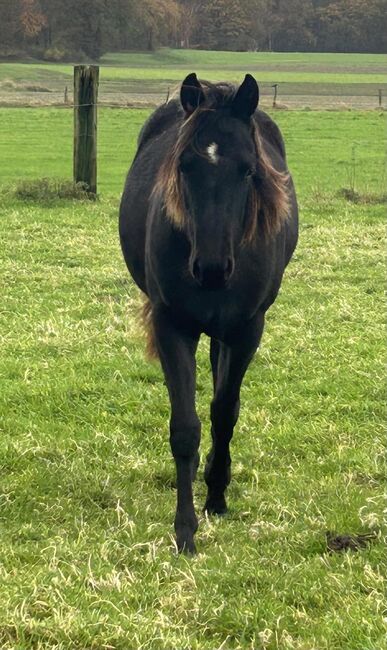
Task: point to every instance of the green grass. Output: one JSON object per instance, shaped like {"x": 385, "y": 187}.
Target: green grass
{"x": 86, "y": 480}
{"x": 46, "y": 72}
{"x": 143, "y": 73}
{"x": 35, "y": 143}
{"x": 168, "y": 58}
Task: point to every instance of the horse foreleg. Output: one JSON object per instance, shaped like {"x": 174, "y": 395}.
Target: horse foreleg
{"x": 177, "y": 355}
{"x": 229, "y": 364}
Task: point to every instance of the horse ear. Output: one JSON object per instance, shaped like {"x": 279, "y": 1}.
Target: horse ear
{"x": 191, "y": 93}
{"x": 246, "y": 98}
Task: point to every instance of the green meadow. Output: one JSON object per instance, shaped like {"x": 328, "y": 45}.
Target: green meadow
{"x": 44, "y": 72}
{"x": 132, "y": 73}
{"x": 167, "y": 64}
{"x": 327, "y": 149}
{"x": 87, "y": 492}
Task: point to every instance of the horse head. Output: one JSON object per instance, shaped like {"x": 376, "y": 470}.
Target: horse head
{"x": 217, "y": 161}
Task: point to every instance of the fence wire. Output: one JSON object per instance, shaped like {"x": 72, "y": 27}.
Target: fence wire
{"x": 133, "y": 93}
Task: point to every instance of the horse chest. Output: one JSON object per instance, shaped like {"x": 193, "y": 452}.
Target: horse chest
{"x": 217, "y": 314}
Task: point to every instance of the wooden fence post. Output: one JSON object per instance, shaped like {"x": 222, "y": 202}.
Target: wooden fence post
{"x": 86, "y": 79}
{"x": 380, "y": 98}
{"x": 275, "y": 86}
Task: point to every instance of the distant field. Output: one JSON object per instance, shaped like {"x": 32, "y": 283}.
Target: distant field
{"x": 86, "y": 477}
{"x": 305, "y": 79}
{"x": 172, "y": 58}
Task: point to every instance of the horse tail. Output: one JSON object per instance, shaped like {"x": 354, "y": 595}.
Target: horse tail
{"x": 151, "y": 348}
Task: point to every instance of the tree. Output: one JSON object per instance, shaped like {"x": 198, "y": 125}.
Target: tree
{"x": 224, "y": 25}
{"x": 286, "y": 25}
{"x": 76, "y": 27}
{"x": 159, "y": 20}
{"x": 268, "y": 23}
{"x": 32, "y": 19}
{"x": 9, "y": 26}
{"x": 85, "y": 29}
{"x": 353, "y": 26}
{"x": 189, "y": 19}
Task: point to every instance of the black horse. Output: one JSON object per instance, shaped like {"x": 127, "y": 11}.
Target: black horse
{"x": 208, "y": 223}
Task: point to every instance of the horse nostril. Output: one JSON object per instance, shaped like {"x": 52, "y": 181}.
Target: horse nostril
{"x": 210, "y": 275}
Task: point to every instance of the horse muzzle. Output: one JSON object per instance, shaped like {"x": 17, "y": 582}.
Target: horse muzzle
{"x": 212, "y": 276}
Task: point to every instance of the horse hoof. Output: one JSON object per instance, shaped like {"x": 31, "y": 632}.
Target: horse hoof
{"x": 216, "y": 506}
{"x": 186, "y": 546}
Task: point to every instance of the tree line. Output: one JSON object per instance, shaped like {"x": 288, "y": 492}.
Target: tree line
{"x": 86, "y": 29}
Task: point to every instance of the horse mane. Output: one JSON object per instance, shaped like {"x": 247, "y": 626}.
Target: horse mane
{"x": 268, "y": 202}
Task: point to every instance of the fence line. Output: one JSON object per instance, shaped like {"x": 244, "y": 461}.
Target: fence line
{"x": 373, "y": 92}
{"x": 86, "y": 85}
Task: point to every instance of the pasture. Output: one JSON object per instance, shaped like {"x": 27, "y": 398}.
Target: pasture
{"x": 87, "y": 481}
{"x": 315, "y": 80}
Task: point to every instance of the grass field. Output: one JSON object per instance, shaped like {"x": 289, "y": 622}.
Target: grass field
{"x": 87, "y": 482}
{"x": 35, "y": 143}
{"x": 305, "y": 79}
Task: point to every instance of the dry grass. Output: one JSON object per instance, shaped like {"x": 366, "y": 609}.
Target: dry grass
{"x": 352, "y": 195}
{"x": 46, "y": 190}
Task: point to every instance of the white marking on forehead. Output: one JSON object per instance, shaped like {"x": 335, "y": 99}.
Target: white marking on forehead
{"x": 212, "y": 151}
